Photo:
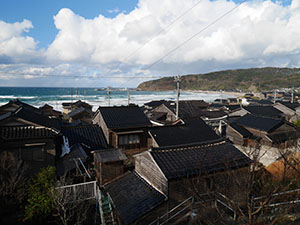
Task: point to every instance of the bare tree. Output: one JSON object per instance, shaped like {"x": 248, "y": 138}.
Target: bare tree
{"x": 69, "y": 206}
{"x": 11, "y": 177}
{"x": 250, "y": 195}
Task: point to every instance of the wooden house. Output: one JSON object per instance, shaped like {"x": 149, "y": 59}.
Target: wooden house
{"x": 49, "y": 111}
{"x": 124, "y": 127}
{"x": 165, "y": 177}
{"x": 108, "y": 164}
{"x": 29, "y": 134}
{"x": 251, "y": 130}
{"x": 91, "y": 137}
{"x": 70, "y": 106}
{"x": 194, "y": 131}
{"x": 166, "y": 112}
{"x": 290, "y": 110}
{"x": 35, "y": 146}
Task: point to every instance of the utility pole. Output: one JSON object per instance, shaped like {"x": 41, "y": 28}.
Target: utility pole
{"x": 177, "y": 79}
{"x": 275, "y": 96}
{"x": 292, "y": 95}
{"x": 128, "y": 95}
{"x": 108, "y": 93}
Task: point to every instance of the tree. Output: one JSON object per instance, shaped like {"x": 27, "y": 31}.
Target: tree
{"x": 69, "y": 204}
{"x": 12, "y": 188}
{"x": 39, "y": 200}
{"x": 265, "y": 198}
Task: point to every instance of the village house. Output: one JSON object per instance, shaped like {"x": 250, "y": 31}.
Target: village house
{"x": 251, "y": 130}
{"x": 291, "y": 110}
{"x": 165, "y": 113}
{"x": 258, "y": 110}
{"x": 124, "y": 127}
{"x": 108, "y": 164}
{"x": 49, "y": 111}
{"x": 29, "y": 134}
{"x": 165, "y": 177}
{"x": 193, "y": 131}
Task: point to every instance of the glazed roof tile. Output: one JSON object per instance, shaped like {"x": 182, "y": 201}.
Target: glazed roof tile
{"x": 260, "y": 123}
{"x": 194, "y": 131}
{"x": 90, "y": 136}
{"x": 198, "y": 160}
{"x": 133, "y": 197}
{"x": 118, "y": 117}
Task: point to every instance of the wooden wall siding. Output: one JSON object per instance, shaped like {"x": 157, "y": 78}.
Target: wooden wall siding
{"x": 109, "y": 171}
{"x": 234, "y": 136}
{"x": 98, "y": 119}
{"x": 231, "y": 183}
{"x": 34, "y": 157}
{"x": 284, "y": 109}
{"x": 147, "y": 168}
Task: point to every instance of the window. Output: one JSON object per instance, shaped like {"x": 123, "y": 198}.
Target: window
{"x": 129, "y": 139}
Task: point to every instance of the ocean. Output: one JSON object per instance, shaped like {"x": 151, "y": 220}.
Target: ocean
{"x": 38, "y": 96}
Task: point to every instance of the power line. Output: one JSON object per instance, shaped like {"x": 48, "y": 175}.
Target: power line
{"x": 193, "y": 36}
{"x": 162, "y": 30}
{"x": 196, "y": 34}
{"x": 75, "y": 76}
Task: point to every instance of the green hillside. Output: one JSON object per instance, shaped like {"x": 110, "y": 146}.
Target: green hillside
{"x": 254, "y": 79}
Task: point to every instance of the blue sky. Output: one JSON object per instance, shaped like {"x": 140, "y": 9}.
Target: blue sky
{"x": 41, "y": 13}
{"x": 99, "y": 43}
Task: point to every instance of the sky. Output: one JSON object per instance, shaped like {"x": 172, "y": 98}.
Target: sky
{"x": 120, "y": 43}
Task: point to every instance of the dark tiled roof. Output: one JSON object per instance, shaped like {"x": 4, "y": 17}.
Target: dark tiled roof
{"x": 213, "y": 114}
{"x": 37, "y": 117}
{"x": 110, "y": 155}
{"x": 67, "y": 163}
{"x": 198, "y": 160}
{"x": 90, "y": 136}
{"x": 119, "y": 117}
{"x": 233, "y": 107}
{"x": 291, "y": 106}
{"x": 266, "y": 111}
{"x": 133, "y": 197}
{"x": 187, "y": 109}
{"x": 244, "y": 132}
{"x": 154, "y": 104}
{"x": 80, "y": 110}
{"x": 260, "y": 123}
{"x": 27, "y": 132}
{"x": 261, "y": 102}
{"x": 283, "y": 136}
{"x": 194, "y": 131}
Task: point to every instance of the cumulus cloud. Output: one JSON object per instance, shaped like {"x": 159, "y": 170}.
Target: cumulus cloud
{"x": 255, "y": 30}
{"x": 258, "y": 33}
{"x": 13, "y": 45}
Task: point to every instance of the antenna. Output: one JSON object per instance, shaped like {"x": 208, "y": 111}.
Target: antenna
{"x": 128, "y": 95}
{"x": 108, "y": 93}
{"x": 177, "y": 79}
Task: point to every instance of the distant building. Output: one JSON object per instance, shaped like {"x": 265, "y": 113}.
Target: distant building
{"x": 124, "y": 127}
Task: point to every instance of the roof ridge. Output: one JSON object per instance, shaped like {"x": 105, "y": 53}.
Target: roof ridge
{"x": 187, "y": 147}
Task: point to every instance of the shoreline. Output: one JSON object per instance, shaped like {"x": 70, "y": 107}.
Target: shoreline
{"x": 238, "y": 94}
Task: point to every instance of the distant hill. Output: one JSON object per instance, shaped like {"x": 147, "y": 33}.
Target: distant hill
{"x": 254, "y": 79}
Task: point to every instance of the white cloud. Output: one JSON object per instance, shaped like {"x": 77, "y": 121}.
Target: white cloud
{"x": 253, "y": 30}
{"x": 116, "y": 10}
{"x": 258, "y": 33}
{"x": 13, "y": 45}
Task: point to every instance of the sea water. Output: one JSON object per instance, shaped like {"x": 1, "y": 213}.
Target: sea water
{"x": 96, "y": 97}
